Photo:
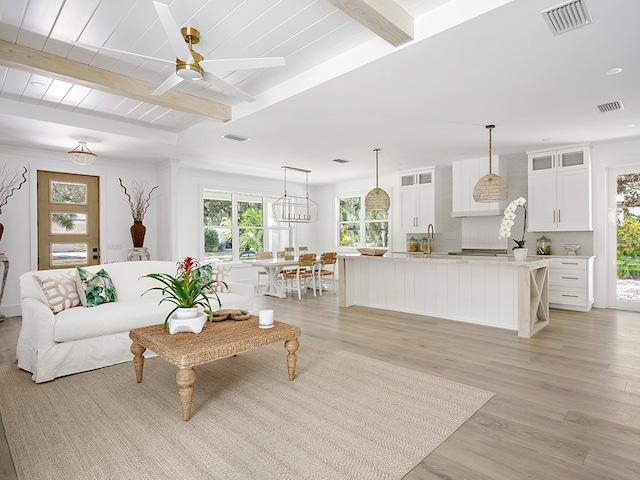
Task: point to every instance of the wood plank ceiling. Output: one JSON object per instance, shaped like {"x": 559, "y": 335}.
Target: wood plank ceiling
{"x": 40, "y": 65}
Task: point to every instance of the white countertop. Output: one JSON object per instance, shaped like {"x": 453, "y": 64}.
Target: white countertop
{"x": 532, "y": 260}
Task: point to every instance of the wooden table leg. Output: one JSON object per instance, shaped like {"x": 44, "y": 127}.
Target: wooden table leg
{"x": 138, "y": 359}
{"x": 291, "y": 346}
{"x": 186, "y": 377}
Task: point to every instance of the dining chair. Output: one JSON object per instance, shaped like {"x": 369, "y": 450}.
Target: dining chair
{"x": 327, "y": 267}
{"x": 262, "y": 271}
{"x": 304, "y": 270}
{"x": 302, "y": 250}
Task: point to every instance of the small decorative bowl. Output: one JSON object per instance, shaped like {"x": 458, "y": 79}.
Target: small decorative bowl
{"x": 572, "y": 249}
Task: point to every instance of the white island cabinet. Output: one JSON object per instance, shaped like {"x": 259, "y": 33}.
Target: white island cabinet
{"x": 493, "y": 291}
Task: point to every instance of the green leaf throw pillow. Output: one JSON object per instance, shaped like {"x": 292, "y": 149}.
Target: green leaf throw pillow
{"x": 203, "y": 275}
{"x": 95, "y": 289}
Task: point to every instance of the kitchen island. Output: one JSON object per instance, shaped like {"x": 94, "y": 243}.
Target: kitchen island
{"x": 493, "y": 291}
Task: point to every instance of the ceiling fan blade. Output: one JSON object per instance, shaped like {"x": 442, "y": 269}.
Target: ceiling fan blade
{"x": 168, "y": 84}
{"x": 231, "y": 64}
{"x": 226, "y": 87}
{"x": 180, "y": 48}
{"x": 146, "y": 57}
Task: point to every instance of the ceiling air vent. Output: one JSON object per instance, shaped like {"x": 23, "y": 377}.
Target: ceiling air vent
{"x": 567, "y": 16}
{"x": 237, "y": 138}
{"x": 611, "y": 107}
{"x": 341, "y": 160}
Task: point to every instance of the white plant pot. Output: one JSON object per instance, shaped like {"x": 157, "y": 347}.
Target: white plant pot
{"x": 193, "y": 325}
{"x": 186, "y": 312}
{"x": 520, "y": 254}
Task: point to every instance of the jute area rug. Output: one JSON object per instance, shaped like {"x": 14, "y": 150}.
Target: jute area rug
{"x": 344, "y": 416}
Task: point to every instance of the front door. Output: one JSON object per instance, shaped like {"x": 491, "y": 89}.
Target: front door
{"x": 68, "y": 220}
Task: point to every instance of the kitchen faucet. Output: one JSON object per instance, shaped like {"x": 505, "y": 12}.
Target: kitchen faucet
{"x": 429, "y": 239}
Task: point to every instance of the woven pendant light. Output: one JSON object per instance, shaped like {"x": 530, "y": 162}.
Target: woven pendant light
{"x": 491, "y": 187}
{"x": 377, "y": 199}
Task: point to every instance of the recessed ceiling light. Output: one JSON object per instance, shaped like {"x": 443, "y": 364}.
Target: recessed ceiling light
{"x": 38, "y": 84}
{"x": 632, "y": 125}
{"x": 613, "y": 71}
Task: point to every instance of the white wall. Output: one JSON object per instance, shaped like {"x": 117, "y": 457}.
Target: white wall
{"x": 19, "y": 216}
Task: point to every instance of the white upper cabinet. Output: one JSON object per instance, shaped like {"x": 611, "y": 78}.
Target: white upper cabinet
{"x": 417, "y": 200}
{"x": 560, "y": 190}
{"x": 466, "y": 174}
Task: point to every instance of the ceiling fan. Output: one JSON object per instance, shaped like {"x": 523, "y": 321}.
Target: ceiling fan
{"x": 190, "y": 65}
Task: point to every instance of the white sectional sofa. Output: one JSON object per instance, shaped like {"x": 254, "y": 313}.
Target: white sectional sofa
{"x": 78, "y": 339}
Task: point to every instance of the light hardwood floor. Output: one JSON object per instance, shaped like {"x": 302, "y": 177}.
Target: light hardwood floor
{"x": 567, "y": 402}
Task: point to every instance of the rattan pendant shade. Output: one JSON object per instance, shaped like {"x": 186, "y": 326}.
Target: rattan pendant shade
{"x": 377, "y": 199}
{"x": 491, "y": 187}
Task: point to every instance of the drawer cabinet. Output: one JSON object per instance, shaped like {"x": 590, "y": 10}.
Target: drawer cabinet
{"x": 571, "y": 283}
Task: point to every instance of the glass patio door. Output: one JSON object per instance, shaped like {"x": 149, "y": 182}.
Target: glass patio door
{"x": 624, "y": 276}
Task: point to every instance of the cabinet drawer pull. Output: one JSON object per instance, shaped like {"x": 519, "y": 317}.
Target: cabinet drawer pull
{"x": 571, "y": 278}
{"x": 570, "y": 263}
{"x": 572, "y": 296}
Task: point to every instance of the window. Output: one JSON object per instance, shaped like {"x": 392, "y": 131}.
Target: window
{"x": 235, "y": 226}
{"x": 357, "y": 228}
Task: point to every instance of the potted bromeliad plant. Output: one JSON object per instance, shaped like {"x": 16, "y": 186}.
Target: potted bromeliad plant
{"x": 190, "y": 290}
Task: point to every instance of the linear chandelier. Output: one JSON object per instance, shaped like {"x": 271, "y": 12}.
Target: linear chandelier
{"x": 291, "y": 208}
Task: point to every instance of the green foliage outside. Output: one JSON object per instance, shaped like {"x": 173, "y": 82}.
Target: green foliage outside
{"x": 211, "y": 240}
{"x": 629, "y": 247}
{"x": 376, "y": 230}
{"x": 74, "y": 193}
{"x": 628, "y": 233}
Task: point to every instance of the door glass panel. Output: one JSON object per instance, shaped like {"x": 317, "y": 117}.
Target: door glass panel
{"x": 542, "y": 163}
{"x": 572, "y": 159}
{"x": 68, "y": 223}
{"x": 63, "y": 192}
{"x": 68, "y": 254}
{"x": 424, "y": 178}
{"x": 408, "y": 180}
{"x": 628, "y": 238}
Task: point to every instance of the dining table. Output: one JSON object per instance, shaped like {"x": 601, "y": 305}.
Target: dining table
{"x": 273, "y": 267}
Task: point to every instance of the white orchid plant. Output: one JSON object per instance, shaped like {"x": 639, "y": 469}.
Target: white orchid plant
{"x": 509, "y": 219}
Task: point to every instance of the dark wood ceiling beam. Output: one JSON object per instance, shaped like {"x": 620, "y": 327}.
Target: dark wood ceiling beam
{"x": 46, "y": 64}
{"x": 385, "y": 18}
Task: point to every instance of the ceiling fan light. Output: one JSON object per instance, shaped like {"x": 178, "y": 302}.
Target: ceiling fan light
{"x": 189, "y": 71}
{"x": 81, "y": 155}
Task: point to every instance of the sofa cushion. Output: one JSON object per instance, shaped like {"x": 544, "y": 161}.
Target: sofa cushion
{"x": 121, "y": 316}
{"x": 79, "y": 323}
{"x": 94, "y": 288}
{"x": 59, "y": 291}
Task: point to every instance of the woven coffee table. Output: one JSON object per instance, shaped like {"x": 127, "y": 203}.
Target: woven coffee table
{"x": 217, "y": 340}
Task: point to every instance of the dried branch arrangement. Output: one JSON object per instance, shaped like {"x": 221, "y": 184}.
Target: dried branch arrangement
{"x": 10, "y": 183}
{"x": 139, "y": 201}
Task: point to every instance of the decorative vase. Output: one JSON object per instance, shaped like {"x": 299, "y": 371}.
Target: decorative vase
{"x": 193, "y": 324}
{"x": 520, "y": 254}
{"x": 137, "y": 233}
